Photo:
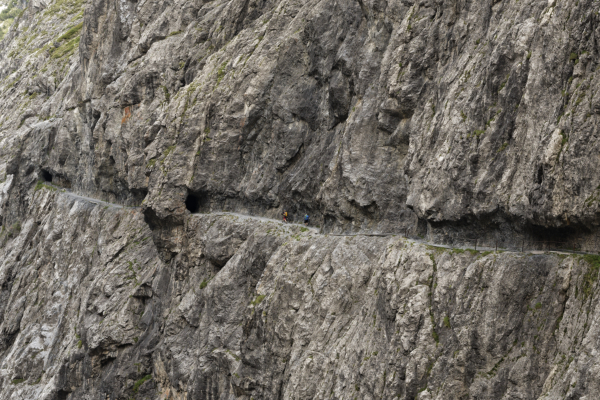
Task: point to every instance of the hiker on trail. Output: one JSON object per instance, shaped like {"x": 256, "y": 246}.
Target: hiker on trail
{"x": 285, "y": 215}
{"x": 306, "y": 219}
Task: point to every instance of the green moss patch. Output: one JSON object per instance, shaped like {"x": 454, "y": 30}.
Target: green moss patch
{"x": 258, "y": 300}
{"x": 591, "y": 275}
{"x": 65, "y": 49}
{"x": 71, "y": 33}
{"x": 140, "y": 382}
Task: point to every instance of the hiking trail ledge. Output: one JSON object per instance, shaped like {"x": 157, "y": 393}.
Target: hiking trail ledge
{"x": 316, "y": 230}
{"x": 443, "y": 119}
{"x": 255, "y": 308}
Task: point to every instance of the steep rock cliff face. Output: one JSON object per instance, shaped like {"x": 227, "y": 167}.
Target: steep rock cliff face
{"x": 252, "y": 309}
{"x": 369, "y": 115}
{"x": 451, "y": 119}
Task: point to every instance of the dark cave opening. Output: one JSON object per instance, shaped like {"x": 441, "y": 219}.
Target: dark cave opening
{"x": 62, "y": 395}
{"x": 540, "y": 175}
{"x": 563, "y": 234}
{"x": 139, "y": 195}
{"x": 195, "y": 202}
{"x": 46, "y": 176}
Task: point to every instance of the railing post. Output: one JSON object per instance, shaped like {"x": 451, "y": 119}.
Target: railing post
{"x": 475, "y": 244}
{"x": 496, "y": 246}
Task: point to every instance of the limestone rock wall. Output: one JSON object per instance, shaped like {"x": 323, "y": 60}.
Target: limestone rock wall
{"x": 369, "y": 115}
{"x": 446, "y": 119}
{"x": 251, "y": 309}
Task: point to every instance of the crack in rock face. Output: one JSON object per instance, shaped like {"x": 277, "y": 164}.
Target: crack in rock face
{"x": 148, "y": 151}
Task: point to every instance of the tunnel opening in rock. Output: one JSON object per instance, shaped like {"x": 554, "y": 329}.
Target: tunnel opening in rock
{"x": 139, "y": 195}
{"x": 195, "y": 202}
{"x": 566, "y": 236}
{"x": 46, "y": 175}
{"x": 62, "y": 395}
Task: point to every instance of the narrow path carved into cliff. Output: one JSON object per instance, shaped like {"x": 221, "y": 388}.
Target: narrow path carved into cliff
{"x": 95, "y": 201}
{"x": 244, "y": 217}
{"x": 313, "y": 230}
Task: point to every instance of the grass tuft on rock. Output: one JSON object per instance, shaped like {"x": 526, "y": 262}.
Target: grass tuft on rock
{"x": 447, "y": 322}
{"x": 71, "y": 33}
{"x": 140, "y": 382}
{"x": 591, "y": 275}
{"x": 258, "y": 300}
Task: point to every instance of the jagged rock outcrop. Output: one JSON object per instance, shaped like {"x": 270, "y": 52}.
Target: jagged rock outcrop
{"x": 90, "y": 310}
{"x": 369, "y": 115}
{"x": 445, "y": 119}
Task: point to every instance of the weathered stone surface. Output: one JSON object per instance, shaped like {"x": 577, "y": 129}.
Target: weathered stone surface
{"x": 449, "y": 119}
{"x": 89, "y": 309}
{"x": 367, "y": 115}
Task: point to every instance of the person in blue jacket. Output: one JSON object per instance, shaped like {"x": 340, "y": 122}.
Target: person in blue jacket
{"x": 306, "y": 219}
